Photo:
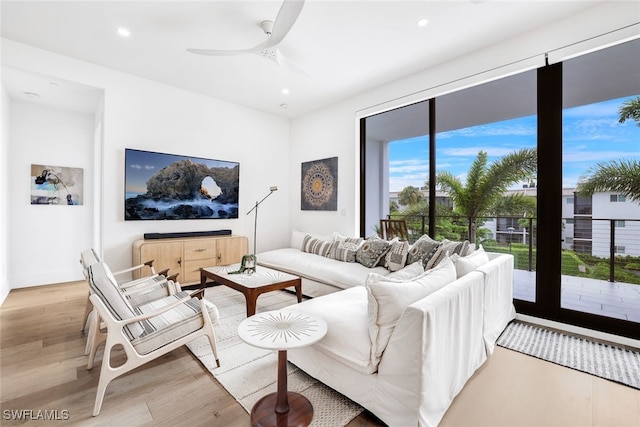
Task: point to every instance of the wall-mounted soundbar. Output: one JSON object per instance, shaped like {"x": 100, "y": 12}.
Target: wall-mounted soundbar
{"x": 184, "y": 234}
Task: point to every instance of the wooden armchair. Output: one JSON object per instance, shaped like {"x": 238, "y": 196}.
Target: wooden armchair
{"x": 145, "y": 333}
{"x": 137, "y": 292}
{"x": 390, "y": 228}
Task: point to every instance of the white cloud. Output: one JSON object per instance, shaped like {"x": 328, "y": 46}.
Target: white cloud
{"x": 490, "y": 130}
{"x": 140, "y": 167}
{"x": 597, "y": 156}
{"x": 496, "y": 151}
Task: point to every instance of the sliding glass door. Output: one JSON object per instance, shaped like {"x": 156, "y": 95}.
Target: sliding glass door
{"x": 601, "y": 154}
{"x": 577, "y": 252}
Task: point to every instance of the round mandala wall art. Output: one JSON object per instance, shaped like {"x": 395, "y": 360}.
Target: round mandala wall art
{"x": 319, "y": 185}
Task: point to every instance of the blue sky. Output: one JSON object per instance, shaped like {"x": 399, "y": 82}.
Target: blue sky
{"x": 591, "y": 134}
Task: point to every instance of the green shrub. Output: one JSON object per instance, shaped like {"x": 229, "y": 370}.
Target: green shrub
{"x": 633, "y": 266}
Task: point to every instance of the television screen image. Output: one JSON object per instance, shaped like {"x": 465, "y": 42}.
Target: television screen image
{"x": 162, "y": 186}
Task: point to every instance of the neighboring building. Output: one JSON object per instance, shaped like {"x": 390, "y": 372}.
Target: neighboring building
{"x": 586, "y": 223}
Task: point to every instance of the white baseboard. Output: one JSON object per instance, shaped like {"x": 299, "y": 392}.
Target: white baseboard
{"x": 580, "y": 331}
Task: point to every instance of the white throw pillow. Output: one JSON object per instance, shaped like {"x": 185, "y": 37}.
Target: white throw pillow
{"x": 466, "y": 264}
{"x": 337, "y": 237}
{"x": 388, "y": 298}
{"x": 410, "y": 271}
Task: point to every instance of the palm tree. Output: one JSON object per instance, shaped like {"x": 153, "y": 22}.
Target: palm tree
{"x": 484, "y": 190}
{"x": 630, "y": 109}
{"x": 410, "y": 196}
{"x": 620, "y": 176}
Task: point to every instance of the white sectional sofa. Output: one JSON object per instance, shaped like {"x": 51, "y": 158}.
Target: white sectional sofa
{"x": 320, "y": 275}
{"x": 403, "y": 346}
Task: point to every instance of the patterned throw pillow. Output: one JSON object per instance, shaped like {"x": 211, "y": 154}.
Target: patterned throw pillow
{"x": 446, "y": 248}
{"x": 396, "y": 257}
{"x": 340, "y": 238}
{"x": 315, "y": 246}
{"x": 423, "y": 248}
{"x": 372, "y": 251}
{"x": 343, "y": 251}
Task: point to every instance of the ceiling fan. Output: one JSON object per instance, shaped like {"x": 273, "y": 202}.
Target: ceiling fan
{"x": 275, "y": 32}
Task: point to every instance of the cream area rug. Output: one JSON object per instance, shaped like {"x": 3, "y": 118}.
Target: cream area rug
{"x": 249, "y": 373}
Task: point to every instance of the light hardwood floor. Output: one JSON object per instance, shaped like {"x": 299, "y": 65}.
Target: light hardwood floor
{"x": 42, "y": 367}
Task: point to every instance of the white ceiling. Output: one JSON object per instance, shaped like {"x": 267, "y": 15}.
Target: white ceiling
{"x": 346, "y": 47}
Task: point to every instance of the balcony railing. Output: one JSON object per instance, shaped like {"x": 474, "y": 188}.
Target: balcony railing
{"x": 606, "y": 249}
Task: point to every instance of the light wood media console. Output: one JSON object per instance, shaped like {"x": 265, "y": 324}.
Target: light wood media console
{"x": 187, "y": 255}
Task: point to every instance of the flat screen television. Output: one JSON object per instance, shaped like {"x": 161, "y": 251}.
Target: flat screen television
{"x": 161, "y": 186}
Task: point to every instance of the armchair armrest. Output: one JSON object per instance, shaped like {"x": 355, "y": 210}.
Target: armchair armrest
{"x": 122, "y": 323}
{"x": 137, "y": 267}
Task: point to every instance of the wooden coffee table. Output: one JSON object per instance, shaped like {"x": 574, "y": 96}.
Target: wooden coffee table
{"x": 251, "y": 285}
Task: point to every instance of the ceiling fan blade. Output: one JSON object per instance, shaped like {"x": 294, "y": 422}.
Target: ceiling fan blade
{"x": 287, "y": 16}
{"x": 211, "y": 52}
{"x": 290, "y": 66}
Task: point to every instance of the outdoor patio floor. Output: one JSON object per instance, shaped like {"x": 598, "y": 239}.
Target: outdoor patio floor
{"x": 617, "y": 300}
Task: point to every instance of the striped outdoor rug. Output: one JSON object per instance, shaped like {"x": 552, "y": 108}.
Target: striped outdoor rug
{"x": 605, "y": 361}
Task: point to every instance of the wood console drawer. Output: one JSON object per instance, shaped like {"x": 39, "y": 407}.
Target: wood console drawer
{"x": 199, "y": 249}
{"x": 192, "y": 269}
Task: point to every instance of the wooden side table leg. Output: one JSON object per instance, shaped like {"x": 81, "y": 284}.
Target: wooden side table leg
{"x": 282, "y": 400}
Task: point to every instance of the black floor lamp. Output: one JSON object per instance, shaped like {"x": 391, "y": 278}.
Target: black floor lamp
{"x": 251, "y": 259}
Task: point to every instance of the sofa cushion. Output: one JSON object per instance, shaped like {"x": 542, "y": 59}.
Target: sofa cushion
{"x": 343, "y": 251}
{"x": 423, "y": 248}
{"x": 446, "y": 248}
{"x": 325, "y": 270}
{"x": 466, "y": 264}
{"x": 410, "y": 271}
{"x": 337, "y": 237}
{"x": 372, "y": 251}
{"x": 388, "y": 299}
{"x": 298, "y": 236}
{"x": 396, "y": 256}
{"x": 316, "y": 246}
{"x": 347, "y": 339}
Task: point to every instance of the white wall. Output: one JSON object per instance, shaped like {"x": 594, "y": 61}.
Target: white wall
{"x": 142, "y": 114}
{"x": 45, "y": 247}
{"x": 328, "y": 133}
{"x": 4, "y": 189}
{"x": 627, "y": 236}
{"x": 333, "y": 131}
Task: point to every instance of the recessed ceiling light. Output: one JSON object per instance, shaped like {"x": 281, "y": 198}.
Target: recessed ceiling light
{"x": 285, "y": 91}
{"x": 284, "y": 105}
{"x": 124, "y": 32}
{"x": 32, "y": 95}
{"x": 423, "y": 22}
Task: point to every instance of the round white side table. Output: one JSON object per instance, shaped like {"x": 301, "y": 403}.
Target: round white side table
{"x": 282, "y": 330}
